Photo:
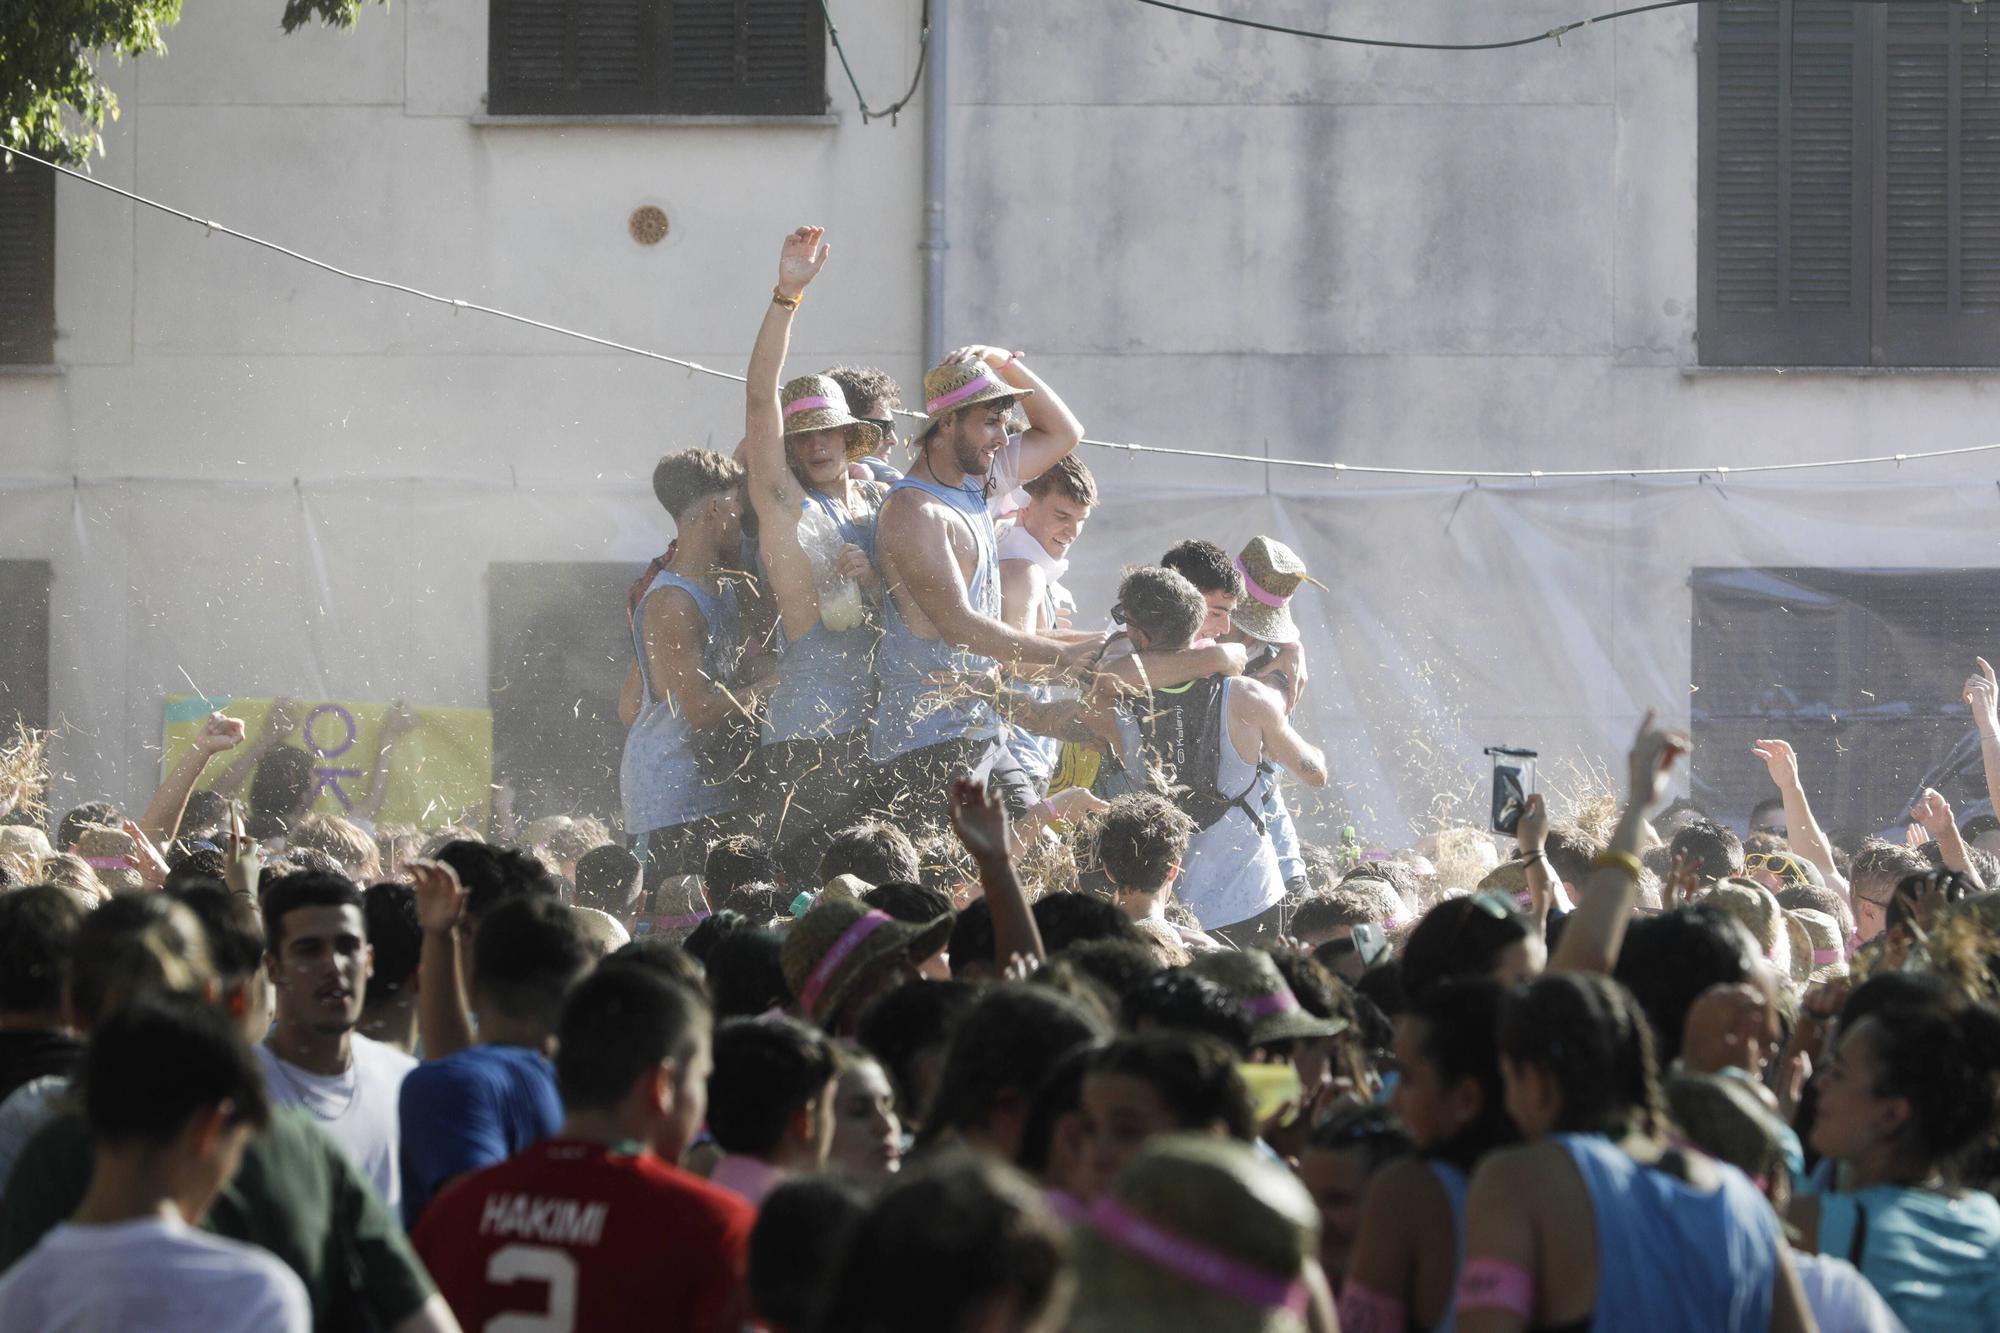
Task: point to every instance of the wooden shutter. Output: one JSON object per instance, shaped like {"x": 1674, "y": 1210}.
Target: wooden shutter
{"x": 747, "y": 57}
{"x": 27, "y": 264}
{"x": 1936, "y": 261}
{"x": 576, "y": 57}
{"x": 1784, "y": 191}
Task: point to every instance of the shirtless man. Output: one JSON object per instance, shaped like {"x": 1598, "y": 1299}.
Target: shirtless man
{"x": 936, "y": 549}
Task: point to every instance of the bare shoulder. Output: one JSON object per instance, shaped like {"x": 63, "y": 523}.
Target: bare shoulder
{"x": 1523, "y": 1171}
{"x": 1404, "y": 1195}
{"x": 1254, "y": 697}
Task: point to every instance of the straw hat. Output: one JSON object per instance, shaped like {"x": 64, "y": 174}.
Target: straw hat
{"x": 816, "y": 402}
{"x": 839, "y": 940}
{"x": 1752, "y": 904}
{"x": 1272, "y": 572}
{"x": 1824, "y": 950}
{"x": 1726, "y": 1121}
{"x": 1255, "y": 982}
{"x": 21, "y": 846}
{"x": 107, "y": 850}
{"x": 1197, "y": 1235}
{"x": 955, "y": 384}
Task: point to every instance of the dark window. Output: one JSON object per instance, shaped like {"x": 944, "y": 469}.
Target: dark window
{"x": 27, "y": 264}
{"x": 1850, "y": 184}
{"x": 1860, "y": 669}
{"x": 650, "y": 57}
{"x": 24, "y": 648}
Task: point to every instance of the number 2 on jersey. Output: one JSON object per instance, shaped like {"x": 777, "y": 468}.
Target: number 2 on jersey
{"x": 535, "y": 1263}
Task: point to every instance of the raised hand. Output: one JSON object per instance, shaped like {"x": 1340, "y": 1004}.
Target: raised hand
{"x": 995, "y": 357}
{"x": 144, "y": 856}
{"x": 1781, "y": 761}
{"x": 1683, "y": 880}
{"x": 440, "y": 897}
{"x": 219, "y": 733}
{"x": 243, "y": 861}
{"x": 1982, "y": 696}
{"x": 1934, "y": 813}
{"x": 801, "y": 260}
{"x": 1651, "y": 760}
{"x": 979, "y": 817}
{"x": 1533, "y": 830}
{"x": 282, "y": 720}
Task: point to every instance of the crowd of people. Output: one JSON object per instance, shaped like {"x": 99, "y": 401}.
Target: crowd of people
{"x": 954, "y": 965}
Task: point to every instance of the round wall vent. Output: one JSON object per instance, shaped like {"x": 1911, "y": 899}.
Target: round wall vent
{"x": 648, "y": 224}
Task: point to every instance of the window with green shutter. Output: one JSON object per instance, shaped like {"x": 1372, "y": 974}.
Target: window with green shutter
{"x": 27, "y": 264}
{"x": 656, "y": 57}
{"x": 1850, "y": 185}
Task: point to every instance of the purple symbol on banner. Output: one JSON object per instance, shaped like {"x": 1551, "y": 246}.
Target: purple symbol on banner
{"x": 325, "y": 777}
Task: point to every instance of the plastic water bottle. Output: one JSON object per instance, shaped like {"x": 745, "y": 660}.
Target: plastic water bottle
{"x": 840, "y": 604}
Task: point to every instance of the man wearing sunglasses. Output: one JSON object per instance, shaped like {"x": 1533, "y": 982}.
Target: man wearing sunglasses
{"x": 873, "y": 397}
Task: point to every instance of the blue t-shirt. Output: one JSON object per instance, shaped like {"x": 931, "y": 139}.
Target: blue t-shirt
{"x": 472, "y": 1110}
{"x": 1934, "y": 1257}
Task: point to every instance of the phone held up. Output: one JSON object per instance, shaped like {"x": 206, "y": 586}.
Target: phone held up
{"x": 1513, "y": 780}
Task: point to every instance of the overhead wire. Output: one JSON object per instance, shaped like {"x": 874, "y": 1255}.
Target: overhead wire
{"x": 696, "y": 368}
{"x": 1555, "y": 34}
{"x": 923, "y": 53}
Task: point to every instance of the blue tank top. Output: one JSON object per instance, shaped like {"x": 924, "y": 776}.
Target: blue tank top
{"x": 1670, "y": 1257}
{"x": 1934, "y": 1257}
{"x": 913, "y": 710}
{"x": 1452, "y": 1181}
{"x": 826, "y": 681}
{"x": 658, "y": 782}
{"x": 1230, "y": 873}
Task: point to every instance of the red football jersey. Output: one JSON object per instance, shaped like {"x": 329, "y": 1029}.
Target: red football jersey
{"x": 570, "y": 1235}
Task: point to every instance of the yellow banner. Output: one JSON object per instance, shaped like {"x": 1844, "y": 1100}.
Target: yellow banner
{"x": 440, "y": 771}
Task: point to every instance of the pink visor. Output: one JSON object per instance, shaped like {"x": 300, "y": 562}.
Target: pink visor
{"x": 986, "y": 379}
{"x": 843, "y": 949}
{"x": 1143, "y": 1238}
{"x": 798, "y": 405}
{"x": 1277, "y": 1002}
{"x": 1250, "y": 585}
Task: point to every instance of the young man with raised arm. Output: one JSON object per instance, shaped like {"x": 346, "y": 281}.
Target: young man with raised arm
{"x": 798, "y": 443}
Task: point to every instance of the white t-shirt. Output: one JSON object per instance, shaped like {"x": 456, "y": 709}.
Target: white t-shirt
{"x": 357, "y": 1109}
{"x": 1842, "y": 1300}
{"x": 153, "y": 1274}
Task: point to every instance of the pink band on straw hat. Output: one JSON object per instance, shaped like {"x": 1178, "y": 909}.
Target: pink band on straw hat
{"x": 1277, "y": 1002}
{"x": 985, "y": 379}
{"x": 843, "y": 948}
{"x": 1250, "y": 586}
{"x": 1144, "y": 1238}
{"x": 1821, "y": 957}
{"x": 798, "y": 405}
{"x": 108, "y": 863}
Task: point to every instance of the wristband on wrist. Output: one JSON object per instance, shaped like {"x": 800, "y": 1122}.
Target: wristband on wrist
{"x": 788, "y": 302}
{"x": 1617, "y": 860}
{"x": 1537, "y": 854}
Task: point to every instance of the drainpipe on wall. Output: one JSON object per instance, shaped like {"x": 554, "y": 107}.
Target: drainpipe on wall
{"x": 937, "y": 128}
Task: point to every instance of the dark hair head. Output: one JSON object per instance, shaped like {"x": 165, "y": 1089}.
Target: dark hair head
{"x": 873, "y": 852}
{"x": 1591, "y": 1037}
{"x": 132, "y": 946}
{"x": 394, "y": 935}
{"x": 1945, "y": 1061}
{"x": 307, "y": 888}
{"x": 908, "y": 902}
{"x": 1071, "y": 918}
{"x": 909, "y": 1025}
{"x": 280, "y": 790}
{"x": 1714, "y": 851}
{"x": 530, "y": 951}
{"x": 746, "y": 973}
{"x": 757, "y": 902}
{"x": 1944, "y": 886}
{"x": 767, "y": 1069}
{"x": 972, "y": 941}
{"x": 234, "y": 932}
{"x": 493, "y": 875}
{"x": 1141, "y": 839}
{"x": 662, "y": 956}
{"x": 1069, "y": 478}
{"x": 607, "y": 878}
{"x": 159, "y": 1061}
{"x": 1194, "y": 1075}
{"x": 1460, "y": 937}
{"x": 199, "y": 866}
{"x": 735, "y": 861}
{"x": 1668, "y": 960}
{"x": 1878, "y": 858}
{"x": 618, "y": 1025}
{"x": 1160, "y": 602}
{"x": 206, "y": 811}
{"x": 683, "y": 480}
{"x": 1813, "y": 898}
{"x": 1461, "y": 1040}
{"x": 713, "y": 929}
{"x": 1359, "y": 1127}
{"x": 1061, "y": 1094}
{"x": 1765, "y": 813}
{"x": 38, "y": 928}
{"x": 1205, "y": 565}
{"x": 1382, "y": 985}
{"x": 72, "y": 825}
{"x": 1177, "y": 1000}
{"x": 955, "y": 1235}
{"x": 1571, "y": 850}
{"x": 802, "y": 1232}
{"x": 864, "y": 386}
{"x": 1001, "y": 1051}
{"x": 1117, "y": 965}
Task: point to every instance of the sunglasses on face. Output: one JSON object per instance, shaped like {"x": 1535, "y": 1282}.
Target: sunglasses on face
{"x": 887, "y": 425}
{"x": 1779, "y": 864}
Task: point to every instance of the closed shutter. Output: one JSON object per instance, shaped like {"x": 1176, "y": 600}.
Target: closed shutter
{"x": 1937, "y": 190}
{"x": 630, "y": 57}
{"x": 27, "y": 264}
{"x": 1784, "y": 192}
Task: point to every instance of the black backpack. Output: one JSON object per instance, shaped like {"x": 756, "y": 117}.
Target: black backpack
{"x": 1182, "y": 731}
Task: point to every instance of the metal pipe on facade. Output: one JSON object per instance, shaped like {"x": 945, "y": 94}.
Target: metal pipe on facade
{"x": 937, "y": 130}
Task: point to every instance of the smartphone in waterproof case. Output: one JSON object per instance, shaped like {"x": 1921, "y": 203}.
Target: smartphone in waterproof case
{"x": 1271, "y": 1087}
{"x": 1513, "y": 780}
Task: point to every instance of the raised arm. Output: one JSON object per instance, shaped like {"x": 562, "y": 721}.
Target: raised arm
{"x": 1053, "y": 429}
{"x": 162, "y": 820}
{"x": 1807, "y": 838}
{"x": 444, "y": 1010}
{"x": 1596, "y": 930}
{"x": 774, "y": 492}
{"x": 1935, "y": 814}
{"x": 279, "y": 724}
{"x": 1982, "y": 695}
{"x": 979, "y": 817}
{"x": 1155, "y": 670}
{"x": 674, "y": 632}
{"x": 1282, "y": 742}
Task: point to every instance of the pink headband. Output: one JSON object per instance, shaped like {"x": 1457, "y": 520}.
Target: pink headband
{"x": 984, "y": 380}
{"x": 1277, "y": 1002}
{"x": 798, "y": 405}
{"x": 1143, "y": 1238}
{"x": 843, "y": 948}
{"x": 1250, "y": 584}
{"x": 108, "y": 863}
{"x": 1821, "y": 957}
{"x": 676, "y": 922}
